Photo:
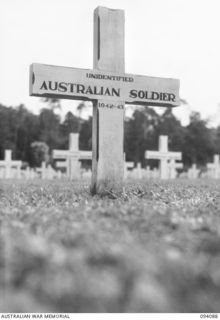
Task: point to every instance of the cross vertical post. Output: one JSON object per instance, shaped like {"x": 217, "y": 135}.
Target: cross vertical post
{"x": 42, "y": 170}
{"x": 214, "y": 168}
{"x": 193, "y": 172}
{"x": 8, "y": 164}
{"x": 163, "y": 147}
{"x": 108, "y": 118}
{"x": 164, "y": 156}
{"x": 74, "y": 165}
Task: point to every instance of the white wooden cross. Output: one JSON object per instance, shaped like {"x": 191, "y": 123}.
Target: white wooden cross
{"x": 127, "y": 165}
{"x": 164, "y": 156}
{"x": 109, "y": 88}
{"x": 214, "y": 168}
{"x": 148, "y": 173}
{"x": 138, "y": 171}
{"x": 50, "y": 172}
{"x": 86, "y": 173}
{"x": 173, "y": 165}
{"x": 155, "y": 173}
{"x": 72, "y": 156}
{"x": 193, "y": 172}
{"x": 8, "y": 164}
{"x": 42, "y": 170}
{"x": 47, "y": 172}
{"x": 29, "y": 173}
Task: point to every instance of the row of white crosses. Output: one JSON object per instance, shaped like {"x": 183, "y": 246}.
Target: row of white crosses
{"x": 213, "y": 170}
{"x": 141, "y": 173}
{"x": 12, "y": 168}
{"x": 130, "y": 171}
{"x": 168, "y": 165}
{"x": 71, "y": 163}
{"x": 47, "y": 172}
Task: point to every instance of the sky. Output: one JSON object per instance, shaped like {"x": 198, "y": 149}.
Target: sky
{"x": 163, "y": 38}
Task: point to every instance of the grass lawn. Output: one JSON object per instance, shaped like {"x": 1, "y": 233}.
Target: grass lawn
{"x": 154, "y": 249}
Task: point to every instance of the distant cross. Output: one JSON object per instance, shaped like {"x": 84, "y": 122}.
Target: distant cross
{"x": 59, "y": 175}
{"x": 72, "y": 156}
{"x": 193, "y": 172}
{"x": 138, "y": 171}
{"x": 109, "y": 88}
{"x": 46, "y": 172}
{"x": 8, "y": 164}
{"x": 214, "y": 168}
{"x": 42, "y": 170}
{"x": 155, "y": 173}
{"x": 63, "y": 164}
{"x": 148, "y": 173}
{"x": 32, "y": 174}
{"x": 164, "y": 156}
{"x": 29, "y": 173}
{"x": 86, "y": 174}
{"x": 50, "y": 172}
{"x": 173, "y": 165}
{"x": 127, "y": 165}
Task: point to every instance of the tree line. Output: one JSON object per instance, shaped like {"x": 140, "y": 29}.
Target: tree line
{"x": 32, "y": 137}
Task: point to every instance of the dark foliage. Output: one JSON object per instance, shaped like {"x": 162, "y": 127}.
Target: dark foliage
{"x": 19, "y": 128}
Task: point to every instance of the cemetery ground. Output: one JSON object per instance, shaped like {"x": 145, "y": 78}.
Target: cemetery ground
{"x": 155, "y": 248}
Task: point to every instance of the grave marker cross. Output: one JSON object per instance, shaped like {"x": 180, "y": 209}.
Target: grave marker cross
{"x": 72, "y": 156}
{"x": 42, "y": 170}
{"x": 193, "y": 172}
{"x": 164, "y": 156}
{"x": 127, "y": 165}
{"x": 214, "y": 168}
{"x": 138, "y": 171}
{"x": 8, "y": 164}
{"x": 109, "y": 88}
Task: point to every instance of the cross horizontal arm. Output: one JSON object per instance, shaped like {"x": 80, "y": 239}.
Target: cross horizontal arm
{"x": 175, "y": 155}
{"x": 61, "y": 164}
{"x": 154, "y": 155}
{"x": 176, "y": 165}
{"x": 212, "y": 166}
{"x": 129, "y": 164}
{"x": 60, "y": 154}
{"x": 85, "y": 155}
{"x": 157, "y": 155}
{"x": 83, "y": 84}
{"x": 12, "y": 163}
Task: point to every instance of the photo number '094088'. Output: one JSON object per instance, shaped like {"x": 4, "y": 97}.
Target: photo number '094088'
{"x": 110, "y": 105}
